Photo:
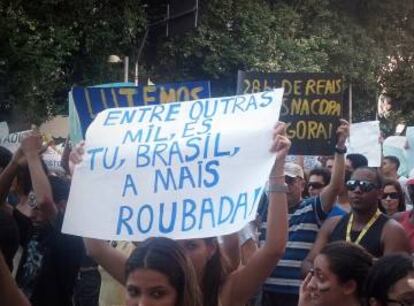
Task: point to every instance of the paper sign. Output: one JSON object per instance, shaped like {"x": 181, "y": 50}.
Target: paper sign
{"x": 364, "y": 139}
{"x": 410, "y": 150}
{"x": 395, "y": 146}
{"x": 4, "y": 129}
{"x": 180, "y": 170}
{"x": 12, "y": 141}
{"x": 52, "y": 158}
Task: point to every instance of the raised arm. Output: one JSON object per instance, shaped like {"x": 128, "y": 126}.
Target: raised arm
{"x": 330, "y": 192}
{"x": 32, "y": 147}
{"x": 7, "y": 176}
{"x": 244, "y": 282}
{"x": 111, "y": 259}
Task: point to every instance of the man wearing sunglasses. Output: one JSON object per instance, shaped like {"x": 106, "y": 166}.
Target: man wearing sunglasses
{"x": 365, "y": 224}
{"x": 318, "y": 179}
{"x": 305, "y": 219}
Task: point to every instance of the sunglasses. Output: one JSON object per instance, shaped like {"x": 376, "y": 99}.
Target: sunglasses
{"x": 315, "y": 185}
{"x": 392, "y": 195}
{"x": 364, "y": 186}
{"x": 289, "y": 180}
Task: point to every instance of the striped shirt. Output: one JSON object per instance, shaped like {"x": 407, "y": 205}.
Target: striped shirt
{"x": 304, "y": 225}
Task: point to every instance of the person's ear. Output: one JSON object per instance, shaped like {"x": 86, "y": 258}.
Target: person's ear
{"x": 350, "y": 287}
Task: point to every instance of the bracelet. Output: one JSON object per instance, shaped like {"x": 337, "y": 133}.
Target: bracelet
{"x": 340, "y": 150}
{"x": 278, "y": 188}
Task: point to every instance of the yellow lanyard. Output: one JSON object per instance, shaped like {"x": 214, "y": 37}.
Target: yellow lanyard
{"x": 364, "y": 230}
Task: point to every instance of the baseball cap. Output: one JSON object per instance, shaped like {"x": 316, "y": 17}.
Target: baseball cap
{"x": 294, "y": 170}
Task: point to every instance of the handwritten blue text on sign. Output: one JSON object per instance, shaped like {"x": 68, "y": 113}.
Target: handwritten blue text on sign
{"x": 169, "y": 169}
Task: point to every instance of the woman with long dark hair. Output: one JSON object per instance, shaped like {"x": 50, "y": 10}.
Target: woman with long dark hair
{"x": 159, "y": 273}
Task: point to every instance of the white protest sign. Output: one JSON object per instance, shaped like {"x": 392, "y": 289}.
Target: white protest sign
{"x": 52, "y": 158}
{"x": 4, "y": 129}
{"x": 410, "y": 150}
{"x": 12, "y": 141}
{"x": 364, "y": 139}
{"x": 180, "y": 170}
{"x": 395, "y": 145}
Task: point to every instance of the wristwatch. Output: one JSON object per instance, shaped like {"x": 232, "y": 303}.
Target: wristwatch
{"x": 32, "y": 200}
{"x": 340, "y": 150}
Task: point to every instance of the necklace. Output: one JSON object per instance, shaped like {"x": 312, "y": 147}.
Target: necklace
{"x": 364, "y": 230}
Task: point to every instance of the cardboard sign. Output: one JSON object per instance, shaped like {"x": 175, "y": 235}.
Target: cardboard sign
{"x": 90, "y": 101}
{"x": 364, "y": 139}
{"x": 312, "y": 106}
{"x": 180, "y": 170}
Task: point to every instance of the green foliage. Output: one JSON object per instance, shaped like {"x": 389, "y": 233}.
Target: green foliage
{"x": 47, "y": 46}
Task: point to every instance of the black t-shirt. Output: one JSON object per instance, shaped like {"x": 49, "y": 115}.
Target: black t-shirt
{"x": 50, "y": 262}
{"x": 371, "y": 240}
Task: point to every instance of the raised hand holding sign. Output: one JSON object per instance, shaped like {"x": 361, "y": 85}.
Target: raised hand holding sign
{"x": 169, "y": 170}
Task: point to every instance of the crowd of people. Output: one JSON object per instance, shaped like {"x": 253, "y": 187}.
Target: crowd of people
{"x": 339, "y": 234}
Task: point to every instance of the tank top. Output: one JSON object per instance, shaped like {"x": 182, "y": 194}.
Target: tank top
{"x": 371, "y": 240}
{"x": 408, "y": 228}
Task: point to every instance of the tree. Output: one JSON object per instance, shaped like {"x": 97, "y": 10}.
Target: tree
{"x": 48, "y": 46}
{"x": 311, "y": 36}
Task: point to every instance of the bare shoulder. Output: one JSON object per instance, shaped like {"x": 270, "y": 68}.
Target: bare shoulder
{"x": 398, "y": 216}
{"x": 392, "y": 225}
{"x": 394, "y": 238}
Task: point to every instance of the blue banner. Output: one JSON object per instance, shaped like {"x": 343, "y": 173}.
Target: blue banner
{"x": 89, "y": 101}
